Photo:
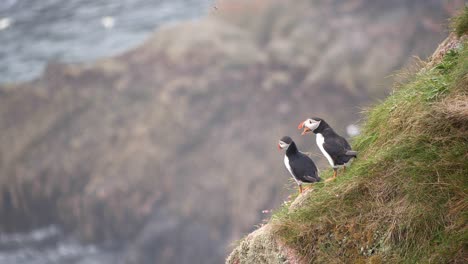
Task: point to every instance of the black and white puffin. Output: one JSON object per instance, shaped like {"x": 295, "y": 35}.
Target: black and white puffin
{"x": 333, "y": 146}
{"x": 301, "y": 167}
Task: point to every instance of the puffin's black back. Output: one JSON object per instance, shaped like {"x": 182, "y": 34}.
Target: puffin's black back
{"x": 335, "y": 145}
{"x": 302, "y": 166}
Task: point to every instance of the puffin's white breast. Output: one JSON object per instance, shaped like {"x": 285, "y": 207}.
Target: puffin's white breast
{"x": 286, "y": 163}
{"x": 320, "y": 141}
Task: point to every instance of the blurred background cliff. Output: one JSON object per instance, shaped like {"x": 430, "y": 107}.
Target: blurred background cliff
{"x": 150, "y": 135}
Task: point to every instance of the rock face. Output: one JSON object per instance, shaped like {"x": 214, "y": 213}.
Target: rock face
{"x": 259, "y": 247}
{"x": 170, "y": 148}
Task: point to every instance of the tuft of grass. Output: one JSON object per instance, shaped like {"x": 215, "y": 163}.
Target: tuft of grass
{"x": 405, "y": 200}
{"x": 460, "y": 23}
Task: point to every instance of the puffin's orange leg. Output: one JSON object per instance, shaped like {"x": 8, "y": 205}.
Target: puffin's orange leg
{"x": 344, "y": 168}
{"x": 335, "y": 172}
{"x": 300, "y": 189}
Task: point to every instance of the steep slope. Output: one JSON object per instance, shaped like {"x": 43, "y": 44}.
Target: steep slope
{"x": 405, "y": 199}
{"x": 163, "y": 147}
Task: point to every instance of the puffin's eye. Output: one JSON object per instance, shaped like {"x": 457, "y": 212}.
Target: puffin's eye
{"x": 310, "y": 121}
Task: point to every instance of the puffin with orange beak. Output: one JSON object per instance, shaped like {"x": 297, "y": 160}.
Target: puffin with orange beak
{"x": 333, "y": 146}
{"x": 299, "y": 165}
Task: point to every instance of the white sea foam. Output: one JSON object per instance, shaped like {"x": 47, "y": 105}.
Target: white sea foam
{"x": 49, "y": 245}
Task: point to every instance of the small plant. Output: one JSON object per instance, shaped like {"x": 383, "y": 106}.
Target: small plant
{"x": 438, "y": 84}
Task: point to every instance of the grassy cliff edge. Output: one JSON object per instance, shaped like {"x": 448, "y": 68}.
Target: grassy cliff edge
{"x": 405, "y": 199}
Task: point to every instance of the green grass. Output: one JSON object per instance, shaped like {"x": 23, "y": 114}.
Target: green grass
{"x": 460, "y": 23}
{"x": 405, "y": 198}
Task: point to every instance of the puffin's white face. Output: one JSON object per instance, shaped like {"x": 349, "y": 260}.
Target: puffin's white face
{"x": 282, "y": 145}
{"x": 309, "y": 125}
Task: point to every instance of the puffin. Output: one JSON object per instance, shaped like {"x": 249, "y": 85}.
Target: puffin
{"x": 299, "y": 165}
{"x": 333, "y": 146}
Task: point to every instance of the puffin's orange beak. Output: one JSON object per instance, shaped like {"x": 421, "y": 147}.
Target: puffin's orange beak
{"x": 301, "y": 125}
{"x": 306, "y": 129}
{"x": 279, "y": 147}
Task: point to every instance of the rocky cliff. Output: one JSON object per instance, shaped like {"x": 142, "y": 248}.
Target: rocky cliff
{"x": 170, "y": 148}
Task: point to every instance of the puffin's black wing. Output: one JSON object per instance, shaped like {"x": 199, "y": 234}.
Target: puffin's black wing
{"x": 304, "y": 168}
{"x": 338, "y": 149}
